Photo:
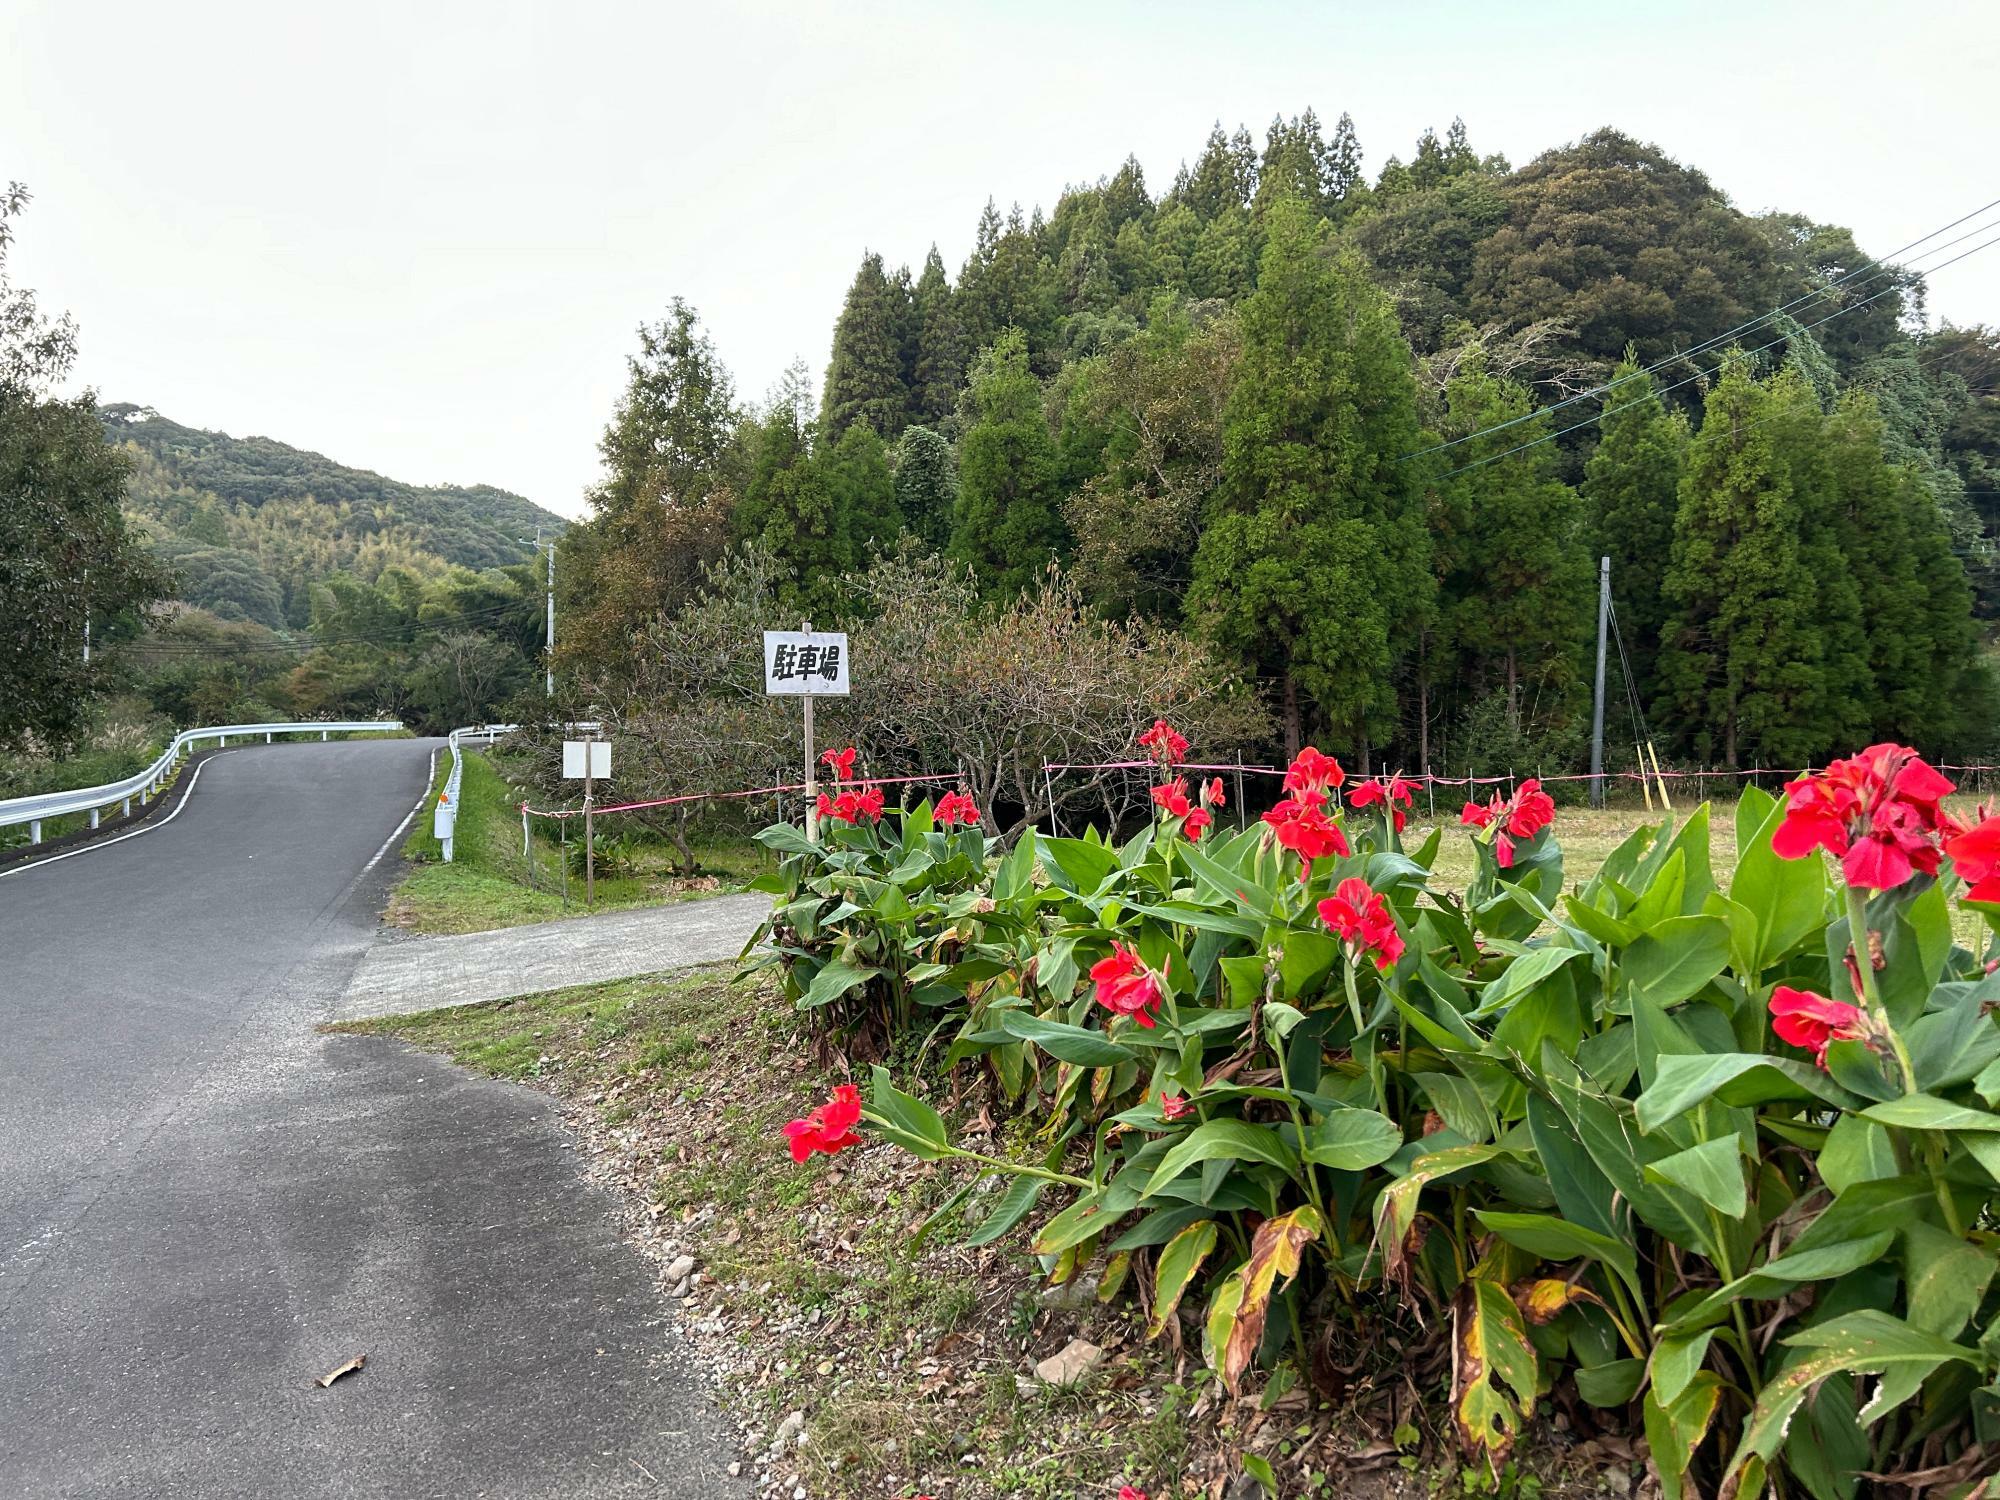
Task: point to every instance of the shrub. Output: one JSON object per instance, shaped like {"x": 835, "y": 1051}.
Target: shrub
{"x": 1722, "y": 1161}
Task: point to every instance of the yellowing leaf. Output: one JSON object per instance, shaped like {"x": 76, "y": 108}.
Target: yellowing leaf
{"x": 1543, "y": 1299}
{"x": 1491, "y": 1341}
{"x": 1178, "y": 1263}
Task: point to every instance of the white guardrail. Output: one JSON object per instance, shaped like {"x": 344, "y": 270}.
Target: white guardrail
{"x": 445, "y": 817}
{"x": 15, "y": 811}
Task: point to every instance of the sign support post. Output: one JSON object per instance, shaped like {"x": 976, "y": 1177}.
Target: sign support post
{"x": 589, "y": 828}
{"x": 581, "y": 762}
{"x": 812, "y": 800}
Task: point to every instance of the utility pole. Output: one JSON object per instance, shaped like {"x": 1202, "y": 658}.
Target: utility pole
{"x": 1597, "y": 701}
{"x": 549, "y": 683}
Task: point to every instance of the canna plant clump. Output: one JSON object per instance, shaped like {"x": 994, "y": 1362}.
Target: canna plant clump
{"x": 1718, "y": 1164}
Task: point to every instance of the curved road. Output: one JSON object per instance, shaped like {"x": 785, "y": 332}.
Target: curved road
{"x": 204, "y": 1204}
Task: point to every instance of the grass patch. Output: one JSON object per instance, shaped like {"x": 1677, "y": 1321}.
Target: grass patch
{"x": 490, "y": 883}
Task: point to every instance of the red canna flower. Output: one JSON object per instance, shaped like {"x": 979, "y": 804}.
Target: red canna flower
{"x": 1530, "y": 811}
{"x": 1520, "y": 816}
{"x": 1360, "y": 917}
{"x": 1195, "y": 824}
{"x": 1126, "y": 1492}
{"x": 1975, "y": 854}
{"x": 829, "y": 1128}
{"x": 852, "y": 806}
{"x": 1211, "y": 794}
{"x": 1164, "y": 743}
{"x": 1172, "y": 798}
{"x": 841, "y": 762}
{"x": 1312, "y": 775}
{"x": 1394, "y": 794}
{"x": 1301, "y": 827}
{"x": 1125, "y": 985}
{"x": 1173, "y": 1106}
{"x": 1813, "y": 1021}
{"x": 955, "y": 807}
{"x": 1877, "y": 812}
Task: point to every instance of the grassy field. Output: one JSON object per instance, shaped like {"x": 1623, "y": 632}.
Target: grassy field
{"x": 490, "y": 884}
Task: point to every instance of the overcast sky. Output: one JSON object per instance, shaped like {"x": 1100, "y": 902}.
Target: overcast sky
{"x": 417, "y": 236}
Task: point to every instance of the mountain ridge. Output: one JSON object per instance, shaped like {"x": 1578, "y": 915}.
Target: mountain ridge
{"x": 252, "y": 523}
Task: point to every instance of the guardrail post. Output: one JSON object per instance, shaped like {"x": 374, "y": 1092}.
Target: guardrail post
{"x": 93, "y": 817}
{"x": 322, "y": 736}
{"x": 267, "y": 736}
{"x": 35, "y": 831}
{"x": 224, "y": 741}
{"x": 127, "y": 811}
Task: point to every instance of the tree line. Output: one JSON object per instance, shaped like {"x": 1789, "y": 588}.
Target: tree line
{"x": 1329, "y": 429}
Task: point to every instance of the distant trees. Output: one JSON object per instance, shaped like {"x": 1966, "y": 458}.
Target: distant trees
{"x": 1303, "y": 416}
{"x": 1797, "y": 620}
{"x": 1631, "y": 489}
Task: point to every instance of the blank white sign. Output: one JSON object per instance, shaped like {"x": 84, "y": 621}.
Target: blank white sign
{"x": 600, "y": 759}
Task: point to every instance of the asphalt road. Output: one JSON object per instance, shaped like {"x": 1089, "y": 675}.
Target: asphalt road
{"x": 204, "y": 1204}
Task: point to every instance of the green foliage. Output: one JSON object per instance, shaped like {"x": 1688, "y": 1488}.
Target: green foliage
{"x": 1741, "y": 654}
{"x": 1313, "y": 566}
{"x": 1008, "y": 524}
{"x": 926, "y": 485}
{"x": 1630, "y": 488}
{"x": 868, "y": 378}
{"x": 68, "y": 562}
{"x": 1514, "y": 581}
{"x": 1625, "y": 247}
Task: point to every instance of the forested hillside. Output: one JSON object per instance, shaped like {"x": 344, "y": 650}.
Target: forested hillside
{"x": 250, "y": 524}
{"x": 1360, "y": 437}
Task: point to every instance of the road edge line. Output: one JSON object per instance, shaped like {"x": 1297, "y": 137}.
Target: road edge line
{"x": 186, "y": 797}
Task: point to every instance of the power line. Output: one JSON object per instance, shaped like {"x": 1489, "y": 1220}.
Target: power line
{"x": 1698, "y": 375}
{"x": 1883, "y": 265}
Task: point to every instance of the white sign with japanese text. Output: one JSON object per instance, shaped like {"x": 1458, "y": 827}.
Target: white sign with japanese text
{"x": 812, "y": 664}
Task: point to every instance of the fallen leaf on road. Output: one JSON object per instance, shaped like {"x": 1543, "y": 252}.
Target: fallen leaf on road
{"x": 339, "y": 1370}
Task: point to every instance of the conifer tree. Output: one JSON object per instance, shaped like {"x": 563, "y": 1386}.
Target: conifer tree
{"x": 1314, "y": 565}
{"x": 1343, "y": 160}
{"x": 864, "y": 495}
{"x": 779, "y": 441}
{"x": 865, "y": 382}
{"x": 1009, "y": 519}
{"x": 1216, "y": 181}
{"x": 939, "y": 367}
{"x": 1631, "y": 486}
{"x": 926, "y": 485}
{"x": 1839, "y": 712}
{"x": 1915, "y": 599}
{"x": 1518, "y": 599}
{"x": 1740, "y": 664}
